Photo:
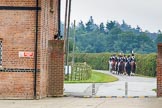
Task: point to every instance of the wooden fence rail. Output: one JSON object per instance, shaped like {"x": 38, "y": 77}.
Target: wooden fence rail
{"x": 79, "y": 71}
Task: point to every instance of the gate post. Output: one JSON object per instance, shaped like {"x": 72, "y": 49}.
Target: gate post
{"x": 159, "y": 71}
{"x": 93, "y": 89}
{"x": 55, "y": 68}
{"x": 126, "y": 89}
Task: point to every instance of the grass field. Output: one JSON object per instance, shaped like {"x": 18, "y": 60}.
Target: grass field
{"x": 97, "y": 77}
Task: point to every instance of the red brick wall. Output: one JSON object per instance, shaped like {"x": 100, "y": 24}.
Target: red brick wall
{"x": 17, "y": 32}
{"x": 17, "y": 2}
{"x": 56, "y": 70}
{"x": 48, "y": 28}
{"x": 16, "y": 85}
{"x": 159, "y": 71}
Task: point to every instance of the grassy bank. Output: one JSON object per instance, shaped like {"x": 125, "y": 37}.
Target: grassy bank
{"x": 97, "y": 77}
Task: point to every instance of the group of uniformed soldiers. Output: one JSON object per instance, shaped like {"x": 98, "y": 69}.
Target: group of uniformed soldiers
{"x": 122, "y": 58}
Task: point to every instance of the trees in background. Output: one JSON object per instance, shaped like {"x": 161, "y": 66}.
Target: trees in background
{"x": 114, "y": 37}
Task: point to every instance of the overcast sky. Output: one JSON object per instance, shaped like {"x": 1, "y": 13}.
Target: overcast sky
{"x": 147, "y": 14}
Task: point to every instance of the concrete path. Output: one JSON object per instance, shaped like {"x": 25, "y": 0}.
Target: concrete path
{"x": 71, "y": 102}
{"x": 137, "y": 86}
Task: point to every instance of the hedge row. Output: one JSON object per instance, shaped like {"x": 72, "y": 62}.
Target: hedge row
{"x": 146, "y": 63}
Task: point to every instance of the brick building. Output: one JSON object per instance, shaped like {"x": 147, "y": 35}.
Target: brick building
{"x": 31, "y": 61}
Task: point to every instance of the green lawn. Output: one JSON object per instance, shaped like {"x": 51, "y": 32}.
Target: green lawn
{"x": 97, "y": 77}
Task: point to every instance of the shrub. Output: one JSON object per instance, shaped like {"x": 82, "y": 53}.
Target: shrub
{"x": 146, "y": 63}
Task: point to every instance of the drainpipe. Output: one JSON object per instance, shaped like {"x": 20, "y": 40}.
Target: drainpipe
{"x": 59, "y": 17}
{"x": 35, "y": 52}
{"x": 67, "y": 40}
{"x": 65, "y": 28}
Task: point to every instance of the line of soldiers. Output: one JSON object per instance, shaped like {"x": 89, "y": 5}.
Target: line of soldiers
{"x": 123, "y": 59}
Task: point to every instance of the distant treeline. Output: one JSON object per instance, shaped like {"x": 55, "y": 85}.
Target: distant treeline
{"x": 146, "y": 63}
{"x": 112, "y": 37}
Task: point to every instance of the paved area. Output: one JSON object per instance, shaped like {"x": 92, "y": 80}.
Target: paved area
{"x": 71, "y": 102}
{"x": 136, "y": 86}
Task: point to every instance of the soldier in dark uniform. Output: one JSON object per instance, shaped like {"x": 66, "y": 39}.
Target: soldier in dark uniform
{"x": 133, "y": 57}
{"x": 124, "y": 61}
{"x": 128, "y": 65}
{"x": 133, "y": 64}
{"x": 109, "y": 61}
{"x": 112, "y": 61}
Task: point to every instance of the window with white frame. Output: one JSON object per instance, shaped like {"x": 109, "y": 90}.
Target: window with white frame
{"x": 0, "y": 52}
